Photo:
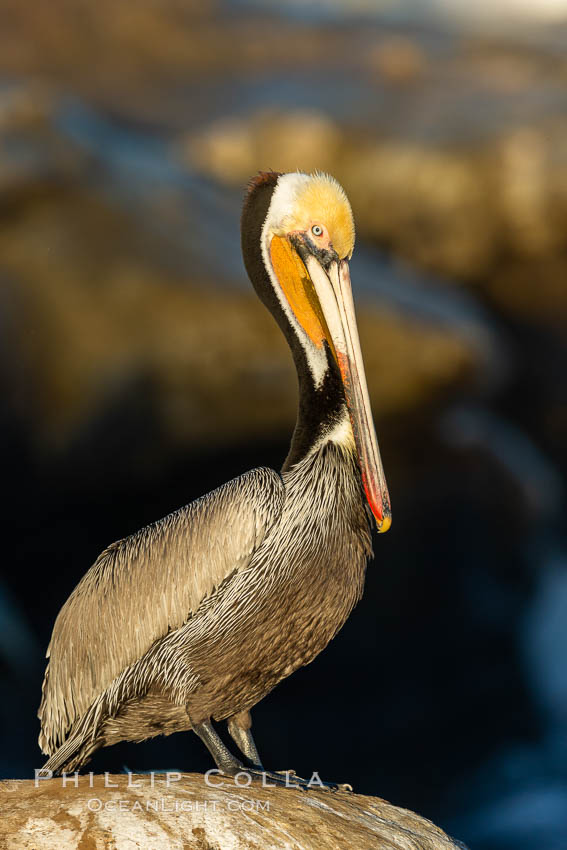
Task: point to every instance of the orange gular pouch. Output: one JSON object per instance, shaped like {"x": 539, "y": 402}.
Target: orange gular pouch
{"x": 298, "y": 290}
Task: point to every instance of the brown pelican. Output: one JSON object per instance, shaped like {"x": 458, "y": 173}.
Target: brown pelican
{"x": 197, "y": 617}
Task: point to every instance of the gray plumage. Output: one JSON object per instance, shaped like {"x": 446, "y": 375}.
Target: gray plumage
{"x": 205, "y": 611}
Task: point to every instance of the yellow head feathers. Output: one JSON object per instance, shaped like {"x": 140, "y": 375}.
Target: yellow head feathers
{"x": 318, "y": 199}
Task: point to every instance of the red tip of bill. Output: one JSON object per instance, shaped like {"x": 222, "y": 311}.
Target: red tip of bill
{"x": 380, "y": 510}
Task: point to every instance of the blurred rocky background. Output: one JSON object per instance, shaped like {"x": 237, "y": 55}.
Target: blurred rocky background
{"x": 139, "y": 370}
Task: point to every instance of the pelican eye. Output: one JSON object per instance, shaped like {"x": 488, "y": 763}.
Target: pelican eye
{"x": 317, "y": 230}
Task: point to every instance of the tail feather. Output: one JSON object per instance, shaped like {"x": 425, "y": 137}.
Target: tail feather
{"x": 83, "y": 739}
{"x": 71, "y": 755}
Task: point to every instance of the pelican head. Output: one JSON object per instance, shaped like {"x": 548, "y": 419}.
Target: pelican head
{"x": 305, "y": 230}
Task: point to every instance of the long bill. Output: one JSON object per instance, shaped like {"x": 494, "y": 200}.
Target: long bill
{"x": 334, "y": 292}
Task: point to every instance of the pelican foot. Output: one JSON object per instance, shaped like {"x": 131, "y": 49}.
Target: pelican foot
{"x": 279, "y": 778}
{"x": 315, "y": 782}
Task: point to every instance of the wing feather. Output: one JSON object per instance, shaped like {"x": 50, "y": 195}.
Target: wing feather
{"x": 146, "y": 585}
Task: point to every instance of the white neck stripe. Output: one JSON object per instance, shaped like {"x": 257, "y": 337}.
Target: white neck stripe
{"x": 280, "y": 205}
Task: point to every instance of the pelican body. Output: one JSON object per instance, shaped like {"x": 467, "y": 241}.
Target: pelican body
{"x": 198, "y": 616}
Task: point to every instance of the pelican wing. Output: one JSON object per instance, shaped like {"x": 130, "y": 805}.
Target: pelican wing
{"x": 146, "y": 585}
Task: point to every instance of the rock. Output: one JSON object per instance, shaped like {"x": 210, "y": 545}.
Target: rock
{"x": 233, "y": 150}
{"x": 399, "y": 60}
{"x": 183, "y": 812}
{"x": 33, "y": 154}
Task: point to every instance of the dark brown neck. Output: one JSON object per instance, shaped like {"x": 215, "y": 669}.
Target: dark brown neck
{"x": 320, "y": 409}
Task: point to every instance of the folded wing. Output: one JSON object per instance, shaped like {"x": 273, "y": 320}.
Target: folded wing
{"x": 146, "y": 585}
